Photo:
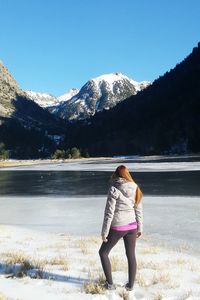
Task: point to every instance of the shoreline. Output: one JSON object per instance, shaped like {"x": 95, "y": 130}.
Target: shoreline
{"x": 29, "y": 162}
{"x": 136, "y": 159}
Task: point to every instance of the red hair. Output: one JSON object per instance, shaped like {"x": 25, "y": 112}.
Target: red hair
{"x": 123, "y": 172}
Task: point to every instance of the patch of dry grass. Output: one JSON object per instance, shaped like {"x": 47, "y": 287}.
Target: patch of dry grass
{"x": 186, "y": 295}
{"x": 143, "y": 264}
{"x": 82, "y": 244}
{"x": 24, "y": 263}
{"x": 3, "y": 297}
{"x": 150, "y": 250}
{"x": 157, "y": 296}
{"x": 183, "y": 247}
{"x": 60, "y": 261}
{"x": 118, "y": 264}
{"x": 94, "y": 286}
{"x": 181, "y": 261}
{"x": 163, "y": 278}
{"x": 141, "y": 280}
{"x": 95, "y": 240}
{"x": 144, "y": 281}
{"x": 18, "y": 258}
{"x": 124, "y": 294}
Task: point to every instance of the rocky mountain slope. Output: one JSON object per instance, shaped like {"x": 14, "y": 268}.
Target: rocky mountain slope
{"x": 8, "y": 91}
{"x": 26, "y": 129}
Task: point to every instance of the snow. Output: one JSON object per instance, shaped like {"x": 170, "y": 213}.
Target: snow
{"x": 67, "y": 96}
{"x": 42, "y": 99}
{"x": 61, "y": 236}
{"x": 57, "y": 214}
{"x": 46, "y": 100}
{"x": 113, "y": 77}
{"x": 67, "y": 262}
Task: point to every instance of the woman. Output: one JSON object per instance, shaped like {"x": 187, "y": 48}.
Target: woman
{"x": 123, "y": 218}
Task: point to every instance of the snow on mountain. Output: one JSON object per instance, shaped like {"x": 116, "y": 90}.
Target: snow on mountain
{"x": 46, "y": 100}
{"x": 43, "y": 99}
{"x": 68, "y": 95}
{"x": 103, "y": 92}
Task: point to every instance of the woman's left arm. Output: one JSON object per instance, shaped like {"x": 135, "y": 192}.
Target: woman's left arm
{"x": 109, "y": 212}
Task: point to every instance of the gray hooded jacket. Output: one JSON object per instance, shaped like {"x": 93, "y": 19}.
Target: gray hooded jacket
{"x": 120, "y": 209}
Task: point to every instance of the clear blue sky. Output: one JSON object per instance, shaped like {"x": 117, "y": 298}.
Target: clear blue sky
{"x": 54, "y": 45}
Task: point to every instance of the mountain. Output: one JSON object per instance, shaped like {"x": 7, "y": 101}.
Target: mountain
{"x": 8, "y": 91}
{"x": 100, "y": 93}
{"x": 46, "y": 100}
{"x": 164, "y": 118}
{"x": 25, "y": 128}
{"x": 68, "y": 95}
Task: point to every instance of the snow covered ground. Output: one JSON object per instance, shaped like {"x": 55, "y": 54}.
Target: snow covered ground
{"x": 64, "y": 258}
{"x": 53, "y": 266}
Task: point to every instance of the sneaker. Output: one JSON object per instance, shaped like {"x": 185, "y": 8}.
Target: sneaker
{"x": 128, "y": 288}
{"x": 109, "y": 286}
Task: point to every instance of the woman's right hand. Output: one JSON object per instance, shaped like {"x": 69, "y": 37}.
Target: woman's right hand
{"x": 104, "y": 239}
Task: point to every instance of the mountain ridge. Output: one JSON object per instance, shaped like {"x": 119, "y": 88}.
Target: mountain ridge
{"x": 99, "y": 93}
{"x": 164, "y": 118}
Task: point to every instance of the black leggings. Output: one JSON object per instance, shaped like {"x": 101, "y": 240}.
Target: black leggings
{"x": 129, "y": 238}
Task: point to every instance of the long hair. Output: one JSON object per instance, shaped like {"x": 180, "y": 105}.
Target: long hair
{"x": 123, "y": 172}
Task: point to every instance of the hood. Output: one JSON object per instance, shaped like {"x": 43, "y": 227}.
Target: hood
{"x": 127, "y": 188}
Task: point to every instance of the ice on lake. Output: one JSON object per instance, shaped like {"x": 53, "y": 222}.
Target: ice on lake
{"x": 70, "y": 197}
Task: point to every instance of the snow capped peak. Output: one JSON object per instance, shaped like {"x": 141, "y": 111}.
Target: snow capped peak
{"x": 99, "y": 93}
{"x": 42, "y": 99}
{"x": 46, "y": 100}
{"x": 68, "y": 95}
{"x": 112, "y": 78}
{"x": 109, "y": 78}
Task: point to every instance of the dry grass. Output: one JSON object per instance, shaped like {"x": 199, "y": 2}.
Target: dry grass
{"x": 194, "y": 267}
{"x": 157, "y": 296}
{"x": 24, "y": 263}
{"x": 94, "y": 287}
{"x": 163, "y": 278}
{"x": 150, "y": 250}
{"x": 3, "y": 297}
{"x": 118, "y": 264}
{"x": 18, "y": 258}
{"x": 181, "y": 261}
{"x": 186, "y": 295}
{"x": 124, "y": 295}
{"x": 60, "y": 261}
{"x": 82, "y": 244}
{"x": 141, "y": 264}
{"x": 95, "y": 240}
{"x": 183, "y": 247}
{"x": 142, "y": 282}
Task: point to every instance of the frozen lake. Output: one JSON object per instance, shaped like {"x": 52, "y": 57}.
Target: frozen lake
{"x": 70, "y": 197}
